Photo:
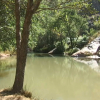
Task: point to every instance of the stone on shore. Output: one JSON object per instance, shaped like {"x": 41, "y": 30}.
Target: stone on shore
{"x": 90, "y": 49}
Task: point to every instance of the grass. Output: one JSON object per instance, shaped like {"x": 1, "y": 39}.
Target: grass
{"x": 17, "y": 96}
{"x": 26, "y": 94}
{"x": 6, "y": 64}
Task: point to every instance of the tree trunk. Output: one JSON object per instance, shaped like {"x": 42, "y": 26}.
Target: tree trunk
{"x": 21, "y": 56}
{"x": 22, "y": 42}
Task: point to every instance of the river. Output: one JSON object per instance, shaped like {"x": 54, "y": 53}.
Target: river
{"x": 55, "y": 77}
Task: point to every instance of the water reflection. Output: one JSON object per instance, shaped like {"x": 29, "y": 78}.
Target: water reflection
{"x": 3, "y": 74}
{"x": 7, "y": 71}
{"x": 61, "y": 78}
{"x": 92, "y": 63}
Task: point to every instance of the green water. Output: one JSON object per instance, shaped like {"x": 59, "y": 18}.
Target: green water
{"x": 56, "y": 78}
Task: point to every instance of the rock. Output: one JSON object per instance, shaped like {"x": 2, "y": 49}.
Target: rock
{"x": 91, "y": 49}
{"x": 78, "y": 54}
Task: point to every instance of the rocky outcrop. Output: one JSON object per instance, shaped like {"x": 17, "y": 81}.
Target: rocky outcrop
{"x": 91, "y": 49}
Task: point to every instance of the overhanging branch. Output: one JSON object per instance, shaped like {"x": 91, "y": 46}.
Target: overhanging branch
{"x": 57, "y": 8}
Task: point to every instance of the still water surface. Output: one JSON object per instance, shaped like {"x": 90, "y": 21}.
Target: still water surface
{"x": 55, "y": 78}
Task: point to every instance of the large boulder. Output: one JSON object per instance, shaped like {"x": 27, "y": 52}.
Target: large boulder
{"x": 90, "y": 49}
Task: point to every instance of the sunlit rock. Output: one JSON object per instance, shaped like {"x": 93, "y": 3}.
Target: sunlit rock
{"x": 90, "y": 49}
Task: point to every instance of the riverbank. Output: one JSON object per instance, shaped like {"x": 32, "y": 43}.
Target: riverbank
{"x": 4, "y": 55}
{"x": 4, "y": 95}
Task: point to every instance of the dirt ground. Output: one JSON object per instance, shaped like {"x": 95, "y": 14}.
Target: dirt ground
{"x": 7, "y": 96}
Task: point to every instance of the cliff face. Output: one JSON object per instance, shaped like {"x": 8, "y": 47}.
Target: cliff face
{"x": 96, "y": 5}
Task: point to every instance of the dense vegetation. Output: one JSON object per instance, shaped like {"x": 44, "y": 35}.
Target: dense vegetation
{"x": 63, "y": 29}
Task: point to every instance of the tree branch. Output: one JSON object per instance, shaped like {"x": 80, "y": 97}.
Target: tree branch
{"x": 17, "y": 15}
{"x": 35, "y": 5}
{"x": 69, "y": 6}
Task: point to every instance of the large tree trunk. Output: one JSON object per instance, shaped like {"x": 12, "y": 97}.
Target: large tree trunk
{"x": 22, "y": 42}
{"x": 21, "y": 62}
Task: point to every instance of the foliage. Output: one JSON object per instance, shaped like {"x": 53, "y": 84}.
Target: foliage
{"x": 88, "y": 11}
{"x": 71, "y": 25}
{"x": 6, "y": 64}
{"x": 82, "y": 42}
{"x": 97, "y": 23}
{"x": 49, "y": 23}
{"x": 71, "y": 51}
{"x": 55, "y": 29}
{"x": 96, "y": 34}
{"x": 7, "y": 35}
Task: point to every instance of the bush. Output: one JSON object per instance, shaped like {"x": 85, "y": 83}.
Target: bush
{"x": 44, "y": 49}
{"x": 80, "y": 44}
{"x": 60, "y": 49}
{"x": 71, "y": 51}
